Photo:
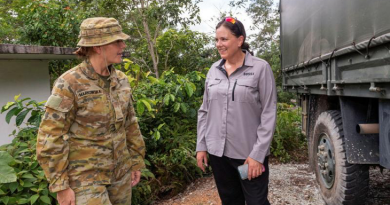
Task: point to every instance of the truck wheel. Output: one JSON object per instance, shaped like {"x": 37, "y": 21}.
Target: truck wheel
{"x": 339, "y": 181}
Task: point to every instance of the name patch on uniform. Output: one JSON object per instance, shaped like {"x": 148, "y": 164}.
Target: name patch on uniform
{"x": 89, "y": 92}
{"x": 249, "y": 73}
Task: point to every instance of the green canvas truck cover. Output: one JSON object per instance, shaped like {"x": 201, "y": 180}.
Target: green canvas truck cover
{"x": 312, "y": 30}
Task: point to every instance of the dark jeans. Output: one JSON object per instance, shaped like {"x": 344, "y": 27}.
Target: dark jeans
{"x": 234, "y": 191}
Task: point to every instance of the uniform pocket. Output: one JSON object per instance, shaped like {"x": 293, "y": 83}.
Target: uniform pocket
{"x": 246, "y": 91}
{"x": 93, "y": 116}
{"x": 213, "y": 88}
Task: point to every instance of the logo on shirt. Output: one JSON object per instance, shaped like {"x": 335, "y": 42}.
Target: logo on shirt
{"x": 89, "y": 92}
{"x": 249, "y": 73}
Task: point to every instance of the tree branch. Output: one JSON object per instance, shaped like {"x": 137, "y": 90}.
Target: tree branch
{"x": 142, "y": 61}
{"x": 167, "y": 56}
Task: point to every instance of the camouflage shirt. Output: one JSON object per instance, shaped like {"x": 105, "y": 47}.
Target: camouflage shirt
{"x": 89, "y": 135}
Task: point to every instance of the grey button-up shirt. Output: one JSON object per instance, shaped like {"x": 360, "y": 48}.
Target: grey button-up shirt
{"x": 238, "y": 114}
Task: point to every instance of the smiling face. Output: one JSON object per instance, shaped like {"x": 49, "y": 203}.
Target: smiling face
{"x": 113, "y": 51}
{"x": 227, "y": 44}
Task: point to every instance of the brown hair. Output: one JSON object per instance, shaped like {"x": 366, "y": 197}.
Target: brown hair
{"x": 84, "y": 52}
{"x": 237, "y": 30}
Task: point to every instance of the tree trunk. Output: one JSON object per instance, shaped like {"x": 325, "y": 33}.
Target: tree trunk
{"x": 151, "y": 47}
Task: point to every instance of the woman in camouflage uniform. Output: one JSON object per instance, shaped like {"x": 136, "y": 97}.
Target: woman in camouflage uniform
{"x": 89, "y": 142}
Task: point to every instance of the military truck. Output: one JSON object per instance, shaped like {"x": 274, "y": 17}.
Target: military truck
{"x": 335, "y": 55}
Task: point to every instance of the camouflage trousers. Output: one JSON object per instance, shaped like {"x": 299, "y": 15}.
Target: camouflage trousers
{"x": 117, "y": 193}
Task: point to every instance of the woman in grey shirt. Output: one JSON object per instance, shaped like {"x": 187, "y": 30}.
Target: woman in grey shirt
{"x": 236, "y": 121}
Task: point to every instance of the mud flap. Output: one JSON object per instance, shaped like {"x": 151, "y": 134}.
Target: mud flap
{"x": 384, "y": 133}
{"x": 360, "y": 149}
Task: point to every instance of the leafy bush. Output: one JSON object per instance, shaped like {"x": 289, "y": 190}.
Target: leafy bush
{"x": 167, "y": 112}
{"x": 284, "y": 96}
{"x": 22, "y": 180}
{"x": 288, "y": 137}
{"x": 50, "y": 23}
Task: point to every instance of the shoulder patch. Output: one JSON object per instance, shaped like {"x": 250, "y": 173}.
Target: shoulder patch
{"x": 62, "y": 104}
{"x": 53, "y": 101}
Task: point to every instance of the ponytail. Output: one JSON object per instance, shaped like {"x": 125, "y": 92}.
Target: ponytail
{"x": 245, "y": 46}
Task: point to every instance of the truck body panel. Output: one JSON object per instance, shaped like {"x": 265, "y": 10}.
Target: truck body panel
{"x": 315, "y": 28}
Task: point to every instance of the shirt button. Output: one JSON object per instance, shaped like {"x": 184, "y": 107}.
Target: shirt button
{"x": 225, "y": 108}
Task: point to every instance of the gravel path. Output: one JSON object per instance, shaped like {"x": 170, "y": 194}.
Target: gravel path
{"x": 289, "y": 184}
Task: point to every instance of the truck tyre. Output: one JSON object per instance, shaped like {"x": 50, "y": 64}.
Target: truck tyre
{"x": 339, "y": 181}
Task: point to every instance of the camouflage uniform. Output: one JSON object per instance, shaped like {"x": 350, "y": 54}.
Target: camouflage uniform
{"x": 89, "y": 138}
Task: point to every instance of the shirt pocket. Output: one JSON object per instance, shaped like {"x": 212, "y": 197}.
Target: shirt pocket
{"x": 213, "y": 88}
{"x": 246, "y": 91}
{"x": 93, "y": 116}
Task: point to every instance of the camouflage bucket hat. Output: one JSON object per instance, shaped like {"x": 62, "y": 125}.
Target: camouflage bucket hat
{"x": 100, "y": 31}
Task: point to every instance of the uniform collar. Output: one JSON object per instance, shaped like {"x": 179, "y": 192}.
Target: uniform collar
{"x": 87, "y": 69}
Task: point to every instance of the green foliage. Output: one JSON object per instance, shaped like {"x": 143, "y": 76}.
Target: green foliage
{"x": 22, "y": 181}
{"x": 185, "y": 49}
{"x": 148, "y": 19}
{"x": 10, "y": 10}
{"x": 288, "y": 137}
{"x": 56, "y": 23}
{"x": 20, "y": 109}
{"x": 285, "y": 97}
{"x": 7, "y": 174}
{"x": 272, "y": 57}
{"x": 169, "y": 129}
{"x": 264, "y": 13}
{"x": 50, "y": 23}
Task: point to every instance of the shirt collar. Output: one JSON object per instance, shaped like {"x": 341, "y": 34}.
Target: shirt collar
{"x": 248, "y": 60}
{"x": 87, "y": 69}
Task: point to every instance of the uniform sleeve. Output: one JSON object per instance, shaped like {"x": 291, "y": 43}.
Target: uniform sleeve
{"x": 265, "y": 130}
{"x": 202, "y": 116}
{"x": 135, "y": 141}
{"x": 52, "y": 139}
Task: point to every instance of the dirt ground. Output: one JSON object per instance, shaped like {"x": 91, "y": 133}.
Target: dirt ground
{"x": 289, "y": 184}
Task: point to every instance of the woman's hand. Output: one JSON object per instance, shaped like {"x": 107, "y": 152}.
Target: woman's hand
{"x": 135, "y": 177}
{"x": 254, "y": 168}
{"x": 201, "y": 157}
{"x": 66, "y": 197}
